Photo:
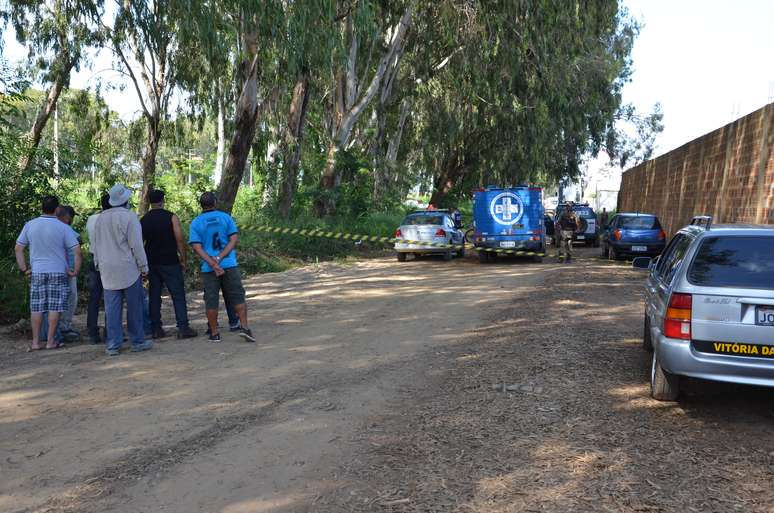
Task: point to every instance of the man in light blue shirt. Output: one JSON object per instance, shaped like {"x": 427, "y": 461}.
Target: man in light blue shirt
{"x": 48, "y": 241}
{"x": 214, "y": 236}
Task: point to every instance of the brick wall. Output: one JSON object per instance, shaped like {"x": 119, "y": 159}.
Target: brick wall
{"x": 728, "y": 174}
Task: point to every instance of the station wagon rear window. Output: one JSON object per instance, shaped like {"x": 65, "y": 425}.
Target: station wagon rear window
{"x": 639, "y": 223}
{"x": 744, "y": 262}
{"x": 583, "y": 211}
{"x": 422, "y": 219}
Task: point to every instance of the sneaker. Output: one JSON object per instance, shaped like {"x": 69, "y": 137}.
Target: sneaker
{"x": 234, "y": 328}
{"x": 215, "y": 338}
{"x": 138, "y": 348}
{"x": 246, "y": 334}
{"x": 112, "y": 352}
{"x": 159, "y": 333}
{"x": 186, "y": 332}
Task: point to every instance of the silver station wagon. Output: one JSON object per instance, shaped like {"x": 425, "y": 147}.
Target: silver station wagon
{"x": 709, "y": 307}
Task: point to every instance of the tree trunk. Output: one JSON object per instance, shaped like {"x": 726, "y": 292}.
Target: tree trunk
{"x": 48, "y": 106}
{"x": 385, "y": 170}
{"x": 349, "y": 108}
{"x": 148, "y": 161}
{"x": 245, "y": 118}
{"x": 221, "y": 150}
{"x": 291, "y": 146}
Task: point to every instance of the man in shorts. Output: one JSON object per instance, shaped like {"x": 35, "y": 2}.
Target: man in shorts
{"x": 48, "y": 241}
{"x": 214, "y": 236}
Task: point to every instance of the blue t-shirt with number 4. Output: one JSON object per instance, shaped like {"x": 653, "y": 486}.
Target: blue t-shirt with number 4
{"x": 212, "y": 229}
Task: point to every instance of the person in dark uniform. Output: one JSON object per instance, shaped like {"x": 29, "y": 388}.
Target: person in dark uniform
{"x": 567, "y": 225}
{"x": 167, "y": 260}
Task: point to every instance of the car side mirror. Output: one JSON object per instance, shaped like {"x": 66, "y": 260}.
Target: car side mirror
{"x": 642, "y": 263}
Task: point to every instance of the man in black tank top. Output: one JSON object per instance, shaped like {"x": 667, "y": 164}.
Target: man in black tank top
{"x": 167, "y": 260}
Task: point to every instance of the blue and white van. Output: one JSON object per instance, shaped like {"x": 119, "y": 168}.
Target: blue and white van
{"x": 509, "y": 218}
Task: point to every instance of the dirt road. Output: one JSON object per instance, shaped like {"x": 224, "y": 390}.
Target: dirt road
{"x": 425, "y": 386}
{"x": 192, "y": 426}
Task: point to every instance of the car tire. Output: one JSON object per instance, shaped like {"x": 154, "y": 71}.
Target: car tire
{"x": 447, "y": 256}
{"x": 647, "y": 340}
{"x": 664, "y": 386}
{"x": 461, "y": 252}
{"x": 483, "y": 257}
{"x": 537, "y": 259}
{"x": 589, "y": 243}
{"x": 401, "y": 257}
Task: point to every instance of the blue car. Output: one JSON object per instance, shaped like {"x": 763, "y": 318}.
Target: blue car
{"x": 633, "y": 234}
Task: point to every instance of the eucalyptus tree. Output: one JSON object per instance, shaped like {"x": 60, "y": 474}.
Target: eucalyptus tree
{"x": 56, "y": 33}
{"x": 517, "y": 91}
{"x": 144, "y": 39}
{"x": 356, "y": 83}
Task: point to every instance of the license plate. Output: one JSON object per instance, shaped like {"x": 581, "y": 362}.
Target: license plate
{"x": 764, "y": 316}
{"x": 639, "y": 248}
{"x": 581, "y": 237}
{"x": 508, "y": 244}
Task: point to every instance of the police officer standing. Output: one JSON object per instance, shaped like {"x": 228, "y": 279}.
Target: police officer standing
{"x": 566, "y": 226}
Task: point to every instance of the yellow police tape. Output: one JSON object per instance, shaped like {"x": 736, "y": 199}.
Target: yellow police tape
{"x": 377, "y": 238}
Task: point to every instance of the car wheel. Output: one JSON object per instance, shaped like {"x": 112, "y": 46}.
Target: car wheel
{"x": 647, "y": 341}
{"x": 537, "y": 259}
{"x": 589, "y": 243}
{"x": 663, "y": 385}
{"x": 448, "y": 256}
{"x": 461, "y": 253}
{"x": 483, "y": 256}
{"x": 401, "y": 257}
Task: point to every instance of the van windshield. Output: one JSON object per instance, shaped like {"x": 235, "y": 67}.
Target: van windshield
{"x": 420, "y": 219}
{"x": 734, "y": 261}
{"x": 639, "y": 223}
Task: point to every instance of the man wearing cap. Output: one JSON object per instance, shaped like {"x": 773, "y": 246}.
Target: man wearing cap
{"x": 167, "y": 260}
{"x": 48, "y": 241}
{"x": 122, "y": 263}
{"x": 214, "y": 236}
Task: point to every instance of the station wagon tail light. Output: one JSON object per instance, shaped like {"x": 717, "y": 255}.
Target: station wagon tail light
{"x": 617, "y": 234}
{"x": 398, "y": 234}
{"x": 677, "y": 321}
{"x": 662, "y": 235}
{"x": 440, "y": 233}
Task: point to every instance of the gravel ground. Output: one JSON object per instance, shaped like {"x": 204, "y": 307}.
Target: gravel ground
{"x": 547, "y": 409}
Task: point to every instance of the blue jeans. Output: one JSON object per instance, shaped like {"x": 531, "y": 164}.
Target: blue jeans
{"x": 133, "y": 295}
{"x": 172, "y": 277}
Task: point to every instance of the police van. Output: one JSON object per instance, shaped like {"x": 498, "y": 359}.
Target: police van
{"x": 508, "y": 218}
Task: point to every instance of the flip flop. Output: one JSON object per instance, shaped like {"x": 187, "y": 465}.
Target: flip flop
{"x": 31, "y": 349}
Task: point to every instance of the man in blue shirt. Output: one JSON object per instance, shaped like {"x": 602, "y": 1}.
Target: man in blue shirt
{"x": 214, "y": 236}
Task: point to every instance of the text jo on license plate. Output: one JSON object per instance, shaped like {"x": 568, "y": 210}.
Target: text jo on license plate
{"x": 764, "y": 316}
{"x": 508, "y": 244}
{"x": 639, "y": 248}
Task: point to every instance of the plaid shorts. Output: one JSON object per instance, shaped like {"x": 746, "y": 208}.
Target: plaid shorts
{"x": 49, "y": 292}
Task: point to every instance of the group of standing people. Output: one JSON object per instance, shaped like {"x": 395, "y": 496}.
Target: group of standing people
{"x": 125, "y": 252}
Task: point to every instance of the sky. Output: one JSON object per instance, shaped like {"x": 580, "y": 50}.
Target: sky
{"x": 706, "y": 61}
